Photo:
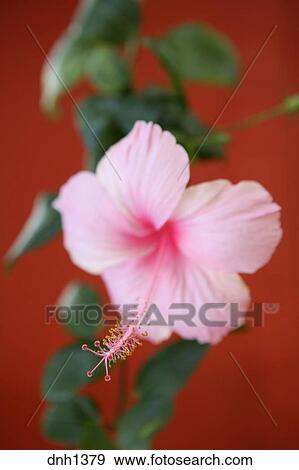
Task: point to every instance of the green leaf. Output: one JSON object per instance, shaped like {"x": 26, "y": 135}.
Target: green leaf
{"x": 80, "y": 321}
{"x": 110, "y": 118}
{"x": 107, "y": 119}
{"x": 159, "y": 380}
{"x": 291, "y": 104}
{"x": 65, "y": 422}
{"x": 70, "y": 60}
{"x": 161, "y": 108}
{"x": 204, "y": 144}
{"x": 189, "y": 131}
{"x": 98, "y": 127}
{"x": 167, "y": 372}
{"x": 42, "y": 225}
{"x": 93, "y": 437}
{"x": 62, "y": 70}
{"x": 66, "y": 372}
{"x": 109, "y": 71}
{"x": 84, "y": 50}
{"x": 137, "y": 427}
{"x": 197, "y": 52}
{"x": 111, "y": 21}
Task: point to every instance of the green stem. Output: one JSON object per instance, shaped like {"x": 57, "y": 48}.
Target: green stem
{"x": 132, "y": 50}
{"x": 131, "y": 53}
{"x": 178, "y": 88}
{"x": 122, "y": 389}
{"x": 250, "y": 121}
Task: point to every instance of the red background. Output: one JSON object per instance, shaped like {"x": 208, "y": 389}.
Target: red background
{"x": 217, "y": 409}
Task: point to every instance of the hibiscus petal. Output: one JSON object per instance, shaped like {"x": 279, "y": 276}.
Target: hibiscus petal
{"x": 226, "y": 227}
{"x": 204, "y": 289}
{"x": 131, "y": 283}
{"x": 96, "y": 234}
{"x": 178, "y": 280}
{"x": 153, "y": 172}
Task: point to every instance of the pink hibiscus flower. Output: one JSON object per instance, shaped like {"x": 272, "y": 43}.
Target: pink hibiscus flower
{"x": 152, "y": 238}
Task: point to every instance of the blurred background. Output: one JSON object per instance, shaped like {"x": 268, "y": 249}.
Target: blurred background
{"x": 217, "y": 409}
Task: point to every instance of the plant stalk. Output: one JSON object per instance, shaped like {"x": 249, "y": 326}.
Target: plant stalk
{"x": 122, "y": 389}
{"x": 259, "y": 118}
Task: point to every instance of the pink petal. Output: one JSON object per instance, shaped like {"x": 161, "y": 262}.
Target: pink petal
{"x": 178, "y": 280}
{"x": 201, "y": 288}
{"x": 227, "y": 227}
{"x": 131, "y": 283}
{"x": 96, "y": 234}
{"x": 153, "y": 173}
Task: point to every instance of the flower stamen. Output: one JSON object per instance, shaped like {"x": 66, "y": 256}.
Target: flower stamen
{"x": 118, "y": 344}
